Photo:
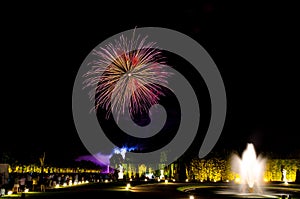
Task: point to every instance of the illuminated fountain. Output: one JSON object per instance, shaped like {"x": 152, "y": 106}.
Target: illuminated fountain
{"x": 250, "y": 168}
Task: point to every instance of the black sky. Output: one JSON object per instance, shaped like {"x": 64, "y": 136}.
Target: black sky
{"x": 254, "y": 45}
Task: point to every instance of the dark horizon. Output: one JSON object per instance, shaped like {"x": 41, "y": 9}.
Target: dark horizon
{"x": 253, "y": 46}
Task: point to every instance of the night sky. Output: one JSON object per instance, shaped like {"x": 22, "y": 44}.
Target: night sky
{"x": 255, "y": 46}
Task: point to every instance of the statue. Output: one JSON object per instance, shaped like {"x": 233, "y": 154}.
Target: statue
{"x": 121, "y": 173}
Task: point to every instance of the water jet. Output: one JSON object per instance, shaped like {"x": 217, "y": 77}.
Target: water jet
{"x": 250, "y": 168}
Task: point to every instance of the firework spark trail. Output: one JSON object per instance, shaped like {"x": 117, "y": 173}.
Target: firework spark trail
{"x": 127, "y": 73}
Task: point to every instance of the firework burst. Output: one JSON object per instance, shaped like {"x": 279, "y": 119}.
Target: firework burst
{"x": 129, "y": 73}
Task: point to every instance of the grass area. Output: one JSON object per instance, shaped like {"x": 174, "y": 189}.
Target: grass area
{"x": 117, "y": 190}
{"x": 83, "y": 190}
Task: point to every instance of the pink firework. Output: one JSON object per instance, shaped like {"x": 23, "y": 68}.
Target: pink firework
{"x": 129, "y": 73}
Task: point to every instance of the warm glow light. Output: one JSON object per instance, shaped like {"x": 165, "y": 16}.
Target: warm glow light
{"x": 106, "y": 180}
{"x": 86, "y": 181}
{"x": 237, "y": 180}
{"x": 186, "y": 180}
{"x": 57, "y": 186}
{"x": 65, "y": 184}
{"x": 130, "y": 179}
{"x": 26, "y": 190}
{"x": 173, "y": 180}
{"x": 166, "y": 181}
{"x": 146, "y": 180}
{"x": 9, "y": 192}
{"x": 158, "y": 180}
{"x": 127, "y": 186}
{"x": 266, "y": 180}
{"x": 192, "y": 197}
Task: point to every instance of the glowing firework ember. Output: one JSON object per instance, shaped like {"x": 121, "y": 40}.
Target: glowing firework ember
{"x": 129, "y": 73}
